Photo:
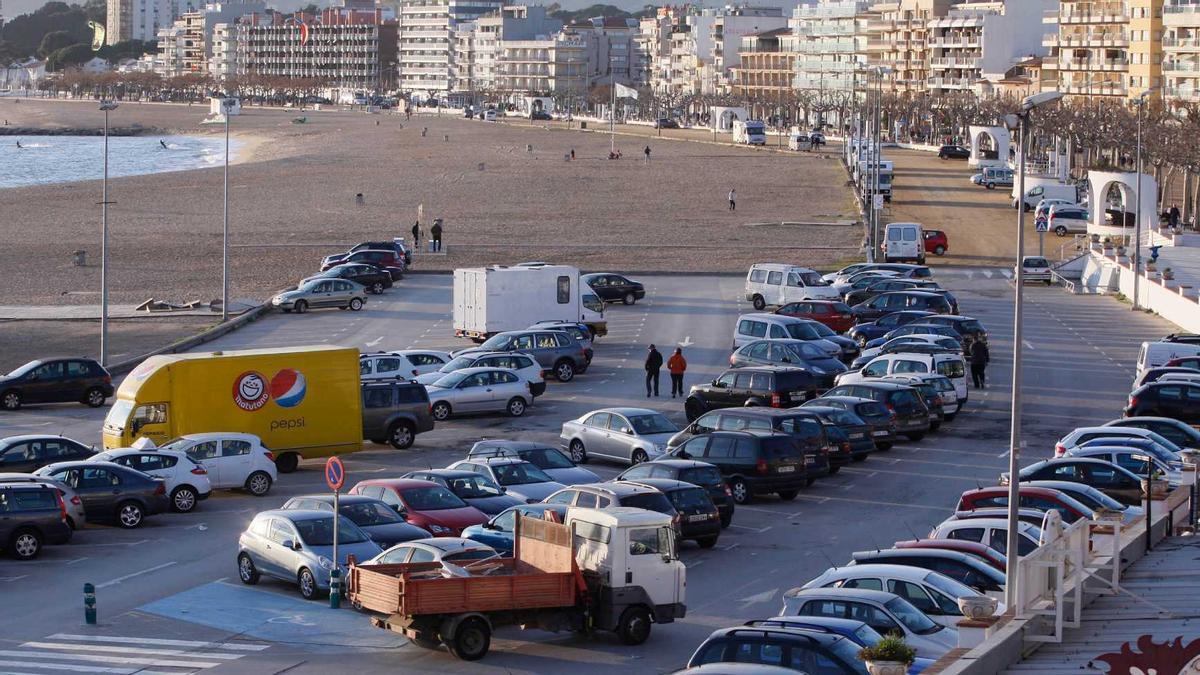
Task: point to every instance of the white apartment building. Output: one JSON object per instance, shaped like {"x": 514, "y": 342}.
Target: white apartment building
{"x": 479, "y": 44}
{"x": 898, "y": 40}
{"x": 543, "y": 67}
{"x": 976, "y": 40}
{"x": 427, "y": 38}
{"x": 186, "y": 46}
{"x": 140, "y": 19}
{"x": 729, "y": 25}
{"x": 828, "y": 43}
{"x": 652, "y": 63}
{"x": 691, "y": 45}
{"x": 1181, "y": 50}
{"x": 347, "y": 49}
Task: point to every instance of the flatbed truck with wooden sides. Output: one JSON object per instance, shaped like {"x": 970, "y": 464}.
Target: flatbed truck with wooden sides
{"x": 613, "y": 569}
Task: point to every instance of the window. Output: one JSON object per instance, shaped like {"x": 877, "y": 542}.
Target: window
{"x": 719, "y": 447}
{"x": 758, "y": 276}
{"x": 150, "y": 413}
{"x": 78, "y": 369}
{"x": 873, "y": 617}
{"x": 593, "y": 532}
{"x": 775, "y": 278}
{"x": 953, "y": 369}
{"x": 20, "y": 452}
{"x": 1139, "y": 464}
{"x": 564, "y": 497}
{"x": 967, "y": 534}
{"x": 377, "y": 397}
{"x": 599, "y": 420}
{"x": 906, "y": 366}
{"x": 546, "y": 341}
{"x": 47, "y": 371}
{"x": 586, "y": 500}
{"x": 522, "y": 342}
{"x": 206, "y": 450}
{"x": 261, "y": 527}
{"x": 745, "y": 448}
{"x": 644, "y": 541}
{"x": 794, "y": 280}
{"x": 97, "y": 478}
{"x": 639, "y": 471}
{"x": 759, "y": 350}
{"x": 877, "y": 369}
{"x": 760, "y": 381}
{"x": 235, "y": 448}
{"x": 564, "y": 290}
{"x": 387, "y": 365}
{"x": 831, "y": 608}
{"x": 727, "y": 380}
{"x": 751, "y": 328}
{"x": 778, "y": 333}
{"x": 365, "y": 367}
{"x": 868, "y": 584}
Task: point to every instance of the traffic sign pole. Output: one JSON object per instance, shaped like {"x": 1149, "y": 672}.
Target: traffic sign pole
{"x": 1041, "y": 224}
{"x": 335, "y": 477}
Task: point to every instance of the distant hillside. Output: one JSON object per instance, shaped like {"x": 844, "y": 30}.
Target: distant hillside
{"x": 568, "y": 16}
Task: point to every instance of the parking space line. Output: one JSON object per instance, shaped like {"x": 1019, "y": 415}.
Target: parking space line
{"x": 758, "y": 530}
{"x": 113, "y": 582}
{"x": 873, "y": 502}
{"x": 112, "y": 659}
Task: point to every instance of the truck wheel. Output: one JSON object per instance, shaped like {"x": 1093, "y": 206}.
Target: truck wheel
{"x": 11, "y": 400}
{"x": 258, "y": 483}
{"x": 740, "y": 490}
{"x": 401, "y": 435}
{"x": 94, "y": 397}
{"x": 287, "y": 462}
{"x": 300, "y": 307}
{"x": 578, "y": 453}
{"x": 441, "y": 411}
{"x": 25, "y": 544}
{"x": 247, "y": 572}
{"x": 516, "y": 407}
{"x": 788, "y": 495}
{"x": 471, "y": 640}
{"x": 183, "y": 499}
{"x": 634, "y": 626}
{"x": 759, "y": 303}
{"x": 629, "y": 299}
{"x": 564, "y": 371}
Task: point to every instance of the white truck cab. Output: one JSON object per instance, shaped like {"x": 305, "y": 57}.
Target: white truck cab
{"x": 634, "y": 553}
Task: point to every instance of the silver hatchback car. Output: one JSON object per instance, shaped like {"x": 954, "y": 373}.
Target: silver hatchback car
{"x": 632, "y": 435}
{"x": 473, "y": 390}
{"x": 296, "y": 545}
{"x": 322, "y": 292}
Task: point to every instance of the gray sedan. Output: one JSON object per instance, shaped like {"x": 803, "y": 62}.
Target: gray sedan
{"x": 76, "y": 516}
{"x": 473, "y": 390}
{"x": 322, "y": 292}
{"x": 632, "y": 435}
{"x": 296, "y": 545}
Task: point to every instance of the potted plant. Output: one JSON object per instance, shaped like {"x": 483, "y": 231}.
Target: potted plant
{"x": 889, "y": 656}
{"x": 977, "y": 606}
{"x": 1168, "y": 274}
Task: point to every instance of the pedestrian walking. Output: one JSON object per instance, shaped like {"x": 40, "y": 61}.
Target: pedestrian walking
{"x": 1174, "y": 214}
{"x": 647, "y": 151}
{"x": 436, "y": 233}
{"x": 654, "y": 363}
{"x": 732, "y": 199}
{"x": 572, "y": 154}
{"x": 416, "y": 233}
{"x": 979, "y": 360}
{"x": 676, "y": 365}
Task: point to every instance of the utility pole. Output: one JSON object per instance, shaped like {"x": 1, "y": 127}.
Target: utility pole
{"x": 105, "y": 106}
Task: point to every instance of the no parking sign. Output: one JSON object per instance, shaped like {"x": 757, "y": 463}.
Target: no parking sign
{"x": 335, "y": 474}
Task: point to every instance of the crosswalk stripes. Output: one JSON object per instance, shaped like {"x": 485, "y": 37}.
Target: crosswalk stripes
{"x": 117, "y": 655}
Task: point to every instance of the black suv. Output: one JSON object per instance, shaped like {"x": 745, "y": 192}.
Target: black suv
{"x": 34, "y": 515}
{"x": 394, "y": 412}
{"x": 697, "y": 517}
{"x": 953, "y": 152}
{"x": 775, "y": 387}
{"x": 63, "y": 380}
{"x": 809, "y": 430}
{"x": 879, "y": 421}
{"x": 968, "y": 328}
{"x": 703, "y": 474}
{"x": 756, "y": 462}
{"x": 895, "y": 301}
{"x": 908, "y": 409}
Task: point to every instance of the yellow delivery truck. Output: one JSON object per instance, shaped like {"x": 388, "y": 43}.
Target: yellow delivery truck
{"x": 302, "y": 402}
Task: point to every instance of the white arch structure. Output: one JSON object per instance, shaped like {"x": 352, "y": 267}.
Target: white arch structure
{"x": 1000, "y": 139}
{"x": 722, "y": 118}
{"x": 1101, "y": 182}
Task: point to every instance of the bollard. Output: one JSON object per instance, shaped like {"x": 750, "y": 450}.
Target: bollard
{"x": 359, "y": 199}
{"x": 89, "y": 604}
{"x": 335, "y": 588}
{"x": 79, "y": 258}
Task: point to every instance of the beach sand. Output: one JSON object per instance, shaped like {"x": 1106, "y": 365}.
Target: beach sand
{"x": 292, "y": 201}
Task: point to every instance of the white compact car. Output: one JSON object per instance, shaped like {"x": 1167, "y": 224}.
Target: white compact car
{"x": 187, "y": 482}
{"x": 525, "y": 366}
{"x": 473, "y": 390}
{"x": 935, "y": 594}
{"x": 234, "y": 461}
{"x": 405, "y": 364}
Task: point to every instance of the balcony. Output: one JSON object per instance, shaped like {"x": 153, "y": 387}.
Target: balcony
{"x": 1181, "y": 67}
{"x": 1095, "y": 89}
{"x": 942, "y": 63}
{"x": 948, "y": 83}
{"x": 1182, "y": 15}
{"x": 1113, "y": 14}
{"x": 955, "y": 41}
{"x": 1093, "y": 64}
{"x": 1183, "y": 93}
{"x": 1181, "y": 44}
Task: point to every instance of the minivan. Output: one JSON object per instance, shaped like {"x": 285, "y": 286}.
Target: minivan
{"x": 1155, "y": 354}
{"x": 777, "y": 284}
{"x": 992, "y": 176}
{"x": 903, "y": 242}
{"x": 756, "y": 462}
{"x": 1037, "y": 193}
{"x": 946, "y": 363}
{"x": 753, "y": 327}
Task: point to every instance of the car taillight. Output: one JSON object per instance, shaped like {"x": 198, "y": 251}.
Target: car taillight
{"x": 1059, "y": 449}
{"x": 62, "y": 506}
{"x": 846, "y": 447}
{"x": 776, "y": 400}
{"x": 76, "y": 500}
{"x": 200, "y": 471}
{"x": 1133, "y": 401}
{"x": 731, "y": 363}
{"x": 160, "y": 490}
{"x": 270, "y": 456}
{"x": 728, "y": 492}
{"x": 761, "y": 466}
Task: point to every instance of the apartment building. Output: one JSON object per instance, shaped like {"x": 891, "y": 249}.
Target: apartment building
{"x": 975, "y": 40}
{"x": 898, "y": 39}
{"x": 186, "y": 46}
{"x": 1181, "y": 51}
{"x": 652, "y": 60}
{"x": 544, "y": 67}
{"x": 139, "y": 19}
{"x": 828, "y": 42}
{"x": 478, "y": 44}
{"x": 691, "y": 45}
{"x": 612, "y": 46}
{"x": 766, "y": 70}
{"x": 1095, "y": 52}
{"x": 427, "y": 37}
{"x": 1145, "y": 46}
{"x": 729, "y": 25}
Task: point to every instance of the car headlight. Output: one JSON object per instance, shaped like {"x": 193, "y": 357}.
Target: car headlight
{"x": 325, "y": 563}
{"x": 659, "y": 448}
{"x": 438, "y": 529}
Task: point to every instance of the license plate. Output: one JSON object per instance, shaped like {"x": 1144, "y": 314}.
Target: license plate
{"x": 933, "y": 417}
{"x": 810, "y": 460}
{"x": 697, "y": 518}
{"x": 879, "y": 433}
{"x": 855, "y": 437}
{"x": 786, "y": 469}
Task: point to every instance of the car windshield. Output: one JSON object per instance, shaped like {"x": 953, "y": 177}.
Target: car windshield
{"x": 812, "y": 279}
{"x": 705, "y": 475}
{"x": 118, "y": 415}
{"x": 496, "y": 342}
{"x": 691, "y": 499}
{"x": 370, "y": 513}
{"x": 178, "y": 443}
{"x": 802, "y": 331}
{"x": 644, "y": 425}
{"x": 451, "y": 381}
{"x": 826, "y": 331}
{"x": 911, "y": 617}
{"x": 319, "y": 531}
{"x": 520, "y": 473}
{"x": 25, "y": 369}
{"x": 457, "y": 363}
{"x": 546, "y": 458}
{"x": 473, "y": 487}
{"x": 806, "y": 351}
{"x": 434, "y": 498}
{"x": 949, "y": 586}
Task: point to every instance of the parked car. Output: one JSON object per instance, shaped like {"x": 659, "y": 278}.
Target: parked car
{"x": 879, "y": 421}
{"x": 233, "y": 461}
{"x": 524, "y": 365}
{"x": 936, "y": 242}
{"x": 992, "y": 176}
{"x": 789, "y": 353}
{"x": 76, "y": 515}
{"x": 849, "y": 435}
{"x": 426, "y": 505}
{"x": 322, "y": 293}
{"x": 1177, "y": 400}
{"x": 665, "y": 123}
{"x": 1161, "y": 373}
{"x": 935, "y": 594}
{"x": 1088, "y": 496}
{"x": 612, "y": 495}
{"x": 498, "y": 532}
{"x": 915, "y": 360}
{"x": 751, "y": 327}
{"x": 933, "y": 385}
{"x": 884, "y": 612}
{"x": 1136, "y": 461}
{"x": 968, "y": 328}
{"x": 34, "y": 516}
{"x": 111, "y": 492}
{"x": 702, "y": 474}
{"x": 698, "y": 518}
{"x": 540, "y": 115}
{"x": 187, "y": 482}
{"x": 763, "y": 646}
{"x": 372, "y": 278}
{"x": 457, "y": 550}
{"x": 962, "y": 567}
{"x": 581, "y": 333}
{"x": 906, "y": 343}
{"x": 296, "y": 546}
{"x": 475, "y": 390}
{"x": 548, "y": 458}
{"x": 555, "y": 350}
{"x": 632, "y": 435}
{"x": 1064, "y": 219}
{"x": 774, "y": 387}
{"x": 1083, "y": 435}
{"x": 1117, "y": 482}
{"x": 756, "y": 462}
{"x": 29, "y": 452}
{"x": 519, "y": 478}
{"x": 405, "y": 364}
{"x": 895, "y": 301}
{"x": 381, "y": 522}
{"x": 990, "y": 531}
{"x": 864, "y": 332}
{"x": 954, "y": 152}
{"x": 776, "y": 284}
{"x": 62, "y": 380}
{"x": 1041, "y": 499}
{"x": 852, "y": 629}
{"x": 917, "y": 328}
{"x": 614, "y": 287}
{"x": 391, "y": 245}
{"x": 880, "y": 285}
{"x": 394, "y": 412}
{"x": 1181, "y": 434}
{"x": 909, "y": 411}
{"x": 476, "y": 489}
{"x": 1163, "y": 454}
{"x": 982, "y": 551}
{"x": 832, "y": 313}
{"x": 387, "y": 256}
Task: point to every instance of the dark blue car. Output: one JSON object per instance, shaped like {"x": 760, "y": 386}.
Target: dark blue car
{"x": 865, "y": 332}
{"x": 498, "y": 532}
{"x": 856, "y": 631}
{"x": 476, "y": 489}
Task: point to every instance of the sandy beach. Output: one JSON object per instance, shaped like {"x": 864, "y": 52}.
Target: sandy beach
{"x": 505, "y": 191}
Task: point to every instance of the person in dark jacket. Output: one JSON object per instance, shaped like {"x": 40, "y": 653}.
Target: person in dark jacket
{"x": 416, "y": 233}
{"x": 654, "y": 363}
{"x": 436, "y": 233}
{"x": 979, "y": 360}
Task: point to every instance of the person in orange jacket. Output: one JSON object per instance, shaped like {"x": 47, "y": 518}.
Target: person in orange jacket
{"x": 676, "y": 365}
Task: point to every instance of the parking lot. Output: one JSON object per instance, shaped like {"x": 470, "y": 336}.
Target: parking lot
{"x": 168, "y": 595}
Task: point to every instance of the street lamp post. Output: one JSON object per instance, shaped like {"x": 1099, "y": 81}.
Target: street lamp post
{"x": 226, "y": 106}
{"x": 1019, "y": 122}
{"x": 106, "y": 107}
{"x": 1137, "y": 225}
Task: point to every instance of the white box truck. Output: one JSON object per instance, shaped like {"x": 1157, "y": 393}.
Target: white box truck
{"x": 749, "y": 132}
{"x": 490, "y": 300}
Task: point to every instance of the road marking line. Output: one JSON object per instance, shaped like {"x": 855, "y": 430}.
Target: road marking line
{"x": 131, "y": 650}
{"x": 247, "y": 646}
{"x": 873, "y": 501}
{"x": 14, "y": 578}
{"x": 1027, "y": 345}
{"x": 112, "y": 659}
{"x": 76, "y": 669}
{"x": 131, "y": 575}
{"x": 759, "y": 530}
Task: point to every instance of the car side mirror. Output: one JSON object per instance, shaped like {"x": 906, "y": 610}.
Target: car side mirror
{"x": 135, "y": 426}
{"x": 289, "y": 544}
{"x": 717, "y": 384}
{"x": 503, "y": 490}
{"x": 490, "y": 526}
{"x": 624, "y": 430}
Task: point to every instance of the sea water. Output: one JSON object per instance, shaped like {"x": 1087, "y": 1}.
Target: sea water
{"x": 34, "y": 160}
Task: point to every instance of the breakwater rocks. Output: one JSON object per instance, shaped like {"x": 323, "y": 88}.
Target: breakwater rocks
{"x": 135, "y": 130}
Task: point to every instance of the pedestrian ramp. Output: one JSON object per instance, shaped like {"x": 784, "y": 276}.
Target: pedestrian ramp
{"x": 63, "y": 653}
{"x": 281, "y": 617}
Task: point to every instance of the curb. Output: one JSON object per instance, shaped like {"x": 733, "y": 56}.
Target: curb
{"x": 122, "y": 367}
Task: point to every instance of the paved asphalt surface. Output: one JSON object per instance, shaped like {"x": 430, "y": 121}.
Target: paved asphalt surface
{"x": 170, "y": 602}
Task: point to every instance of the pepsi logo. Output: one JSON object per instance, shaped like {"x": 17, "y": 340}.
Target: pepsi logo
{"x": 250, "y": 390}
{"x": 288, "y": 388}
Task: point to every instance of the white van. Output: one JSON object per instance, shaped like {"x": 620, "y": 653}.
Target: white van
{"x": 1037, "y": 193}
{"x": 777, "y": 284}
{"x": 949, "y": 364}
{"x": 904, "y": 242}
{"x": 488, "y": 115}
{"x": 798, "y": 140}
{"x": 1154, "y": 354}
{"x": 754, "y": 327}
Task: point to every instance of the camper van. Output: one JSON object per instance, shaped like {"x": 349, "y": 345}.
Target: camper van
{"x": 862, "y": 177}
{"x": 750, "y": 132}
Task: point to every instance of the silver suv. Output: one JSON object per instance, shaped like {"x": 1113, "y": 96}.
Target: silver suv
{"x": 555, "y": 350}
{"x": 394, "y": 412}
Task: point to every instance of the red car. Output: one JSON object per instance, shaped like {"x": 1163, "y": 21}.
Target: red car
{"x": 1042, "y": 499}
{"x": 936, "y": 242}
{"x": 423, "y": 504}
{"x": 837, "y": 316}
{"x": 1185, "y": 362}
{"x": 982, "y": 551}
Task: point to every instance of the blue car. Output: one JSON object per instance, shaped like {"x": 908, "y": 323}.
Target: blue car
{"x": 498, "y": 532}
{"x": 865, "y": 332}
{"x": 856, "y": 631}
{"x": 916, "y": 329}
